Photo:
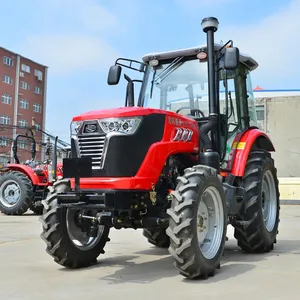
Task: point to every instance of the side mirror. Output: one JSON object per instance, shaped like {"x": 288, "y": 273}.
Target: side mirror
{"x": 114, "y": 75}
{"x": 231, "y": 58}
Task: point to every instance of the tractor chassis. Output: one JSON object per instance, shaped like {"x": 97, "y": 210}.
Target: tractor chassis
{"x": 131, "y": 208}
{"x": 118, "y": 209}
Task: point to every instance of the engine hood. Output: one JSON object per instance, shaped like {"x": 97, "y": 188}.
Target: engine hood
{"x": 118, "y": 112}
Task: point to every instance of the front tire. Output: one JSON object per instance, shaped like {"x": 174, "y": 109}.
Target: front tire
{"x": 16, "y": 193}
{"x": 257, "y": 232}
{"x": 64, "y": 239}
{"x": 198, "y": 222}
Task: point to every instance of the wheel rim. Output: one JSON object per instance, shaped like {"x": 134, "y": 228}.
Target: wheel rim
{"x": 10, "y": 193}
{"x": 269, "y": 200}
{"x": 80, "y": 239}
{"x": 210, "y": 222}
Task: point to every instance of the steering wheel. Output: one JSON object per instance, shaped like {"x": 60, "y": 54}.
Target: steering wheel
{"x": 192, "y": 109}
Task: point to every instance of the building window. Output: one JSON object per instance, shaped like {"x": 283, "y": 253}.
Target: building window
{"x": 6, "y": 99}
{"x": 37, "y": 90}
{"x": 37, "y": 108}
{"x": 37, "y": 126}
{"x": 25, "y": 68}
{"x": 22, "y": 144}
{"x": 8, "y": 61}
{"x": 4, "y": 141}
{"x": 24, "y": 85}
{"x": 24, "y": 104}
{"x": 7, "y": 79}
{"x": 5, "y": 120}
{"x": 260, "y": 112}
{"x": 38, "y": 74}
{"x": 23, "y": 123}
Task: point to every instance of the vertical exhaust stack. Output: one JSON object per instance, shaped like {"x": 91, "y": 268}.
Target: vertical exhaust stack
{"x": 211, "y": 156}
{"x": 210, "y": 26}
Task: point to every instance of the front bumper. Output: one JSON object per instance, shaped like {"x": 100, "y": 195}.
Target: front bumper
{"x": 102, "y": 199}
{"x": 115, "y": 183}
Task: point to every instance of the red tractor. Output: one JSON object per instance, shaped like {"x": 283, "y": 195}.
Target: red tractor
{"x": 22, "y": 187}
{"x": 181, "y": 177}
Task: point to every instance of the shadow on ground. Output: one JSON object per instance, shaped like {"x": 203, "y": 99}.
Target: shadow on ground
{"x": 234, "y": 263}
{"x": 27, "y": 214}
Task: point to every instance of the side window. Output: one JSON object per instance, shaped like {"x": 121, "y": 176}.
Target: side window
{"x": 251, "y": 102}
{"x": 233, "y": 119}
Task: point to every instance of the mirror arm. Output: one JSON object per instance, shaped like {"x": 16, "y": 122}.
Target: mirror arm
{"x": 130, "y": 91}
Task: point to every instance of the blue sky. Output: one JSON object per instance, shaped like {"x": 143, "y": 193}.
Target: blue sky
{"x": 79, "y": 40}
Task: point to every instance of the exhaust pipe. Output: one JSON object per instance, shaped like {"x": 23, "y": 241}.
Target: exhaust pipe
{"x": 210, "y": 26}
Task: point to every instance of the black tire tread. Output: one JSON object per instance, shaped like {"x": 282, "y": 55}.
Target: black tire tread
{"x": 58, "y": 244}
{"x": 248, "y": 233}
{"x": 180, "y": 231}
{"x": 23, "y": 204}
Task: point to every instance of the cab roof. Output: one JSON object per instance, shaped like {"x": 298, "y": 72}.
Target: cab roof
{"x": 244, "y": 58}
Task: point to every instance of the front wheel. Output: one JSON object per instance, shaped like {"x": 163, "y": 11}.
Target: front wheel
{"x": 67, "y": 242}
{"x": 198, "y": 222}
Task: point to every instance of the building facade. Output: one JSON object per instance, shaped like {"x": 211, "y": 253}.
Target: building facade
{"x": 278, "y": 116}
{"x": 23, "y": 89}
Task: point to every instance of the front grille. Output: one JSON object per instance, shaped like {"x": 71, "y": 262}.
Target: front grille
{"x": 92, "y": 146}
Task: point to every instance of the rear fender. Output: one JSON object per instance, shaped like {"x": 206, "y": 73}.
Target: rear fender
{"x": 24, "y": 169}
{"x": 251, "y": 139}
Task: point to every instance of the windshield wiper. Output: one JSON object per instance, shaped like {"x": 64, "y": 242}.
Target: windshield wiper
{"x": 176, "y": 63}
{"x": 171, "y": 68}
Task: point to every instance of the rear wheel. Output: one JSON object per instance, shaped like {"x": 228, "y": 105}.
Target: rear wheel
{"x": 67, "y": 243}
{"x": 198, "y": 222}
{"x": 258, "y": 230}
{"x": 16, "y": 193}
{"x": 157, "y": 237}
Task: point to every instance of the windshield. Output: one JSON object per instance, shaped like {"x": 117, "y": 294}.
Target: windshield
{"x": 178, "y": 84}
{"x": 182, "y": 85}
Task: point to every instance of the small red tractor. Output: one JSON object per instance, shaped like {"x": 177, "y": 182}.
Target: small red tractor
{"x": 180, "y": 177}
{"x": 23, "y": 186}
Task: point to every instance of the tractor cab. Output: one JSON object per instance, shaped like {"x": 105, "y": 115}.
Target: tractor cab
{"x": 219, "y": 99}
{"x": 178, "y": 81}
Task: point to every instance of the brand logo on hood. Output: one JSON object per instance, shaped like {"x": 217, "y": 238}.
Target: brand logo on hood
{"x": 90, "y": 128}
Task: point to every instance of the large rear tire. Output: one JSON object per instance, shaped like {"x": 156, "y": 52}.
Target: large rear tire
{"x": 66, "y": 243}
{"x": 157, "y": 237}
{"x": 198, "y": 222}
{"x": 258, "y": 230}
{"x": 16, "y": 193}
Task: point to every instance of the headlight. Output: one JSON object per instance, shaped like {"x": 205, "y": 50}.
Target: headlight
{"x": 120, "y": 125}
{"x": 75, "y": 126}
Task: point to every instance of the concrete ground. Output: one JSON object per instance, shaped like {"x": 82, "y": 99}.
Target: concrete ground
{"x": 133, "y": 269}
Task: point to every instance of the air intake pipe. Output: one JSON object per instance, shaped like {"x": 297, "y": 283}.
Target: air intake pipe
{"x": 210, "y": 26}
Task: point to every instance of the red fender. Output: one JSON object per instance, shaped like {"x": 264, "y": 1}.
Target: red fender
{"x": 59, "y": 170}
{"x": 24, "y": 169}
{"x": 243, "y": 147}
